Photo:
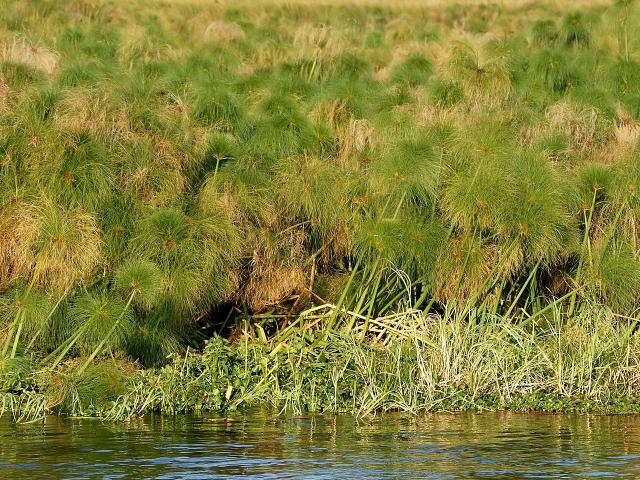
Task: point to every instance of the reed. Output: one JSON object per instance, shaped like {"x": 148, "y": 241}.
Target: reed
{"x": 318, "y": 178}
{"x": 413, "y": 362}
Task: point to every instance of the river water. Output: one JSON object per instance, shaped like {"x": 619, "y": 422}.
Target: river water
{"x": 261, "y": 446}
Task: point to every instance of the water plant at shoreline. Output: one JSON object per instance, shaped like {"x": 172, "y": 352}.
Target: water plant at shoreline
{"x": 416, "y": 363}
{"x": 163, "y": 182}
{"x": 411, "y": 362}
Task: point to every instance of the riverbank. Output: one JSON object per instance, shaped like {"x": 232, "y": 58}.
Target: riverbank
{"x": 584, "y": 365}
{"x": 409, "y": 363}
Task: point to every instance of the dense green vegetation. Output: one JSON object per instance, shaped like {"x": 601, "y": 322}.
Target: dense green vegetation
{"x": 418, "y": 364}
{"x": 290, "y": 176}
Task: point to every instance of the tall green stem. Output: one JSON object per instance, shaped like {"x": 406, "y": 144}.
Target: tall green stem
{"x": 585, "y": 242}
{"x": 113, "y": 328}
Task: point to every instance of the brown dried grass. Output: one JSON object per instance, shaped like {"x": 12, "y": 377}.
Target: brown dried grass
{"x": 51, "y": 246}
{"x": 33, "y": 56}
{"x": 276, "y": 270}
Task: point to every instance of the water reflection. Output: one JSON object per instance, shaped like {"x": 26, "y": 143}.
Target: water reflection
{"x": 491, "y": 445}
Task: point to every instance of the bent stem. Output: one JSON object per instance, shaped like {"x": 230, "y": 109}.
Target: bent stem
{"x": 113, "y": 328}
{"x": 19, "y": 322}
{"x": 522, "y": 289}
{"x": 51, "y": 312}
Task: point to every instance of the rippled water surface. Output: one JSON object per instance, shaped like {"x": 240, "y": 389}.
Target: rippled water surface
{"x": 490, "y": 445}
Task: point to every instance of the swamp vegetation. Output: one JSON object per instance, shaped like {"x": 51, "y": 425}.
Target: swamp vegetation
{"x": 320, "y": 208}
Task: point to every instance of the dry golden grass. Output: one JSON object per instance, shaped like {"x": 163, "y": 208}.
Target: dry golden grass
{"x": 387, "y": 3}
{"x": 626, "y": 130}
{"x": 222, "y": 31}
{"x": 33, "y": 56}
{"x": 52, "y": 246}
{"x": 578, "y": 124}
{"x": 353, "y": 139}
{"x": 277, "y": 270}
